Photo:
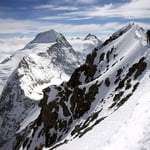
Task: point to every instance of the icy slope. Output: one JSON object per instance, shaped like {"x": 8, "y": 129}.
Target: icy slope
{"x": 97, "y": 90}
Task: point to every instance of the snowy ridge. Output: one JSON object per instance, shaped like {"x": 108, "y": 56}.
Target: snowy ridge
{"x": 97, "y": 90}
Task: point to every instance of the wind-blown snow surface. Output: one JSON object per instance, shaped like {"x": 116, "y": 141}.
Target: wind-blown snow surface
{"x": 128, "y": 127}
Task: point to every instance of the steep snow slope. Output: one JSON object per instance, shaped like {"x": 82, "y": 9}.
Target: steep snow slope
{"x": 96, "y": 94}
{"x": 44, "y": 61}
{"x": 126, "y": 129}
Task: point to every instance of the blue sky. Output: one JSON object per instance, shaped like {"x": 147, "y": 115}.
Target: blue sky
{"x": 70, "y": 17}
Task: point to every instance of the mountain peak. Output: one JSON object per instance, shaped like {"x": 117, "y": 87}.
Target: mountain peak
{"x": 90, "y": 36}
{"x": 46, "y": 37}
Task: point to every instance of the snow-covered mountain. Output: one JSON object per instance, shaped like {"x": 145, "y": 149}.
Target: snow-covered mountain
{"x": 48, "y": 48}
{"x": 42, "y": 42}
{"x": 48, "y": 59}
{"x": 47, "y": 37}
{"x": 86, "y": 45}
{"x": 92, "y": 37}
{"x": 98, "y": 106}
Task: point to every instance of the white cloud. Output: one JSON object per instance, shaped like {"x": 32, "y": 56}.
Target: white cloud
{"x": 9, "y": 46}
{"x": 86, "y": 1}
{"x": 63, "y": 17}
{"x": 54, "y": 18}
{"x": 55, "y": 7}
{"x": 65, "y": 8}
{"x": 14, "y": 26}
{"x": 46, "y": 6}
{"x": 135, "y": 9}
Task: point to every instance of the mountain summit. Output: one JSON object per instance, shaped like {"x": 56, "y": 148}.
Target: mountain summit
{"x": 90, "y": 36}
{"x": 47, "y": 37}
